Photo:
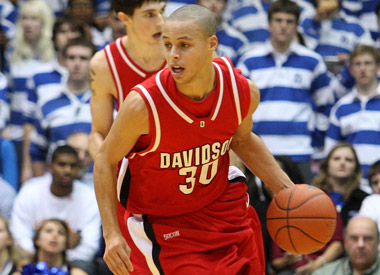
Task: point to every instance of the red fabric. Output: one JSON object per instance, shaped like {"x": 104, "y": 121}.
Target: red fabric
{"x": 129, "y": 74}
{"x": 189, "y": 168}
{"x": 223, "y": 238}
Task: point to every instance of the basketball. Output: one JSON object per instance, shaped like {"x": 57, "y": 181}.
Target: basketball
{"x": 301, "y": 219}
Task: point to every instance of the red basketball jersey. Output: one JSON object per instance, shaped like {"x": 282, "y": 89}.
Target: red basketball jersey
{"x": 126, "y": 74}
{"x": 182, "y": 165}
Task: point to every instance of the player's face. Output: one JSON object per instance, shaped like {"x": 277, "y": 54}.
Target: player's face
{"x": 147, "y": 22}
{"x": 364, "y": 69}
{"x": 361, "y": 243}
{"x": 32, "y": 26}
{"x": 77, "y": 62}
{"x": 64, "y": 34}
{"x": 64, "y": 170}
{"x": 375, "y": 183}
{"x": 215, "y": 6}
{"x": 283, "y": 27}
{"x": 187, "y": 50}
{"x": 5, "y": 239}
{"x": 341, "y": 164}
{"x": 52, "y": 238}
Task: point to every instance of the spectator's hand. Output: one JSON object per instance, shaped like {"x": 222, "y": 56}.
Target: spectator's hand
{"x": 117, "y": 255}
{"x": 309, "y": 267}
{"x": 292, "y": 259}
{"x": 74, "y": 239}
{"x": 326, "y": 9}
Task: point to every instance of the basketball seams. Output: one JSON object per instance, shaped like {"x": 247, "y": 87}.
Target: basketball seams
{"x": 287, "y": 220}
{"x": 303, "y": 232}
{"x": 298, "y": 206}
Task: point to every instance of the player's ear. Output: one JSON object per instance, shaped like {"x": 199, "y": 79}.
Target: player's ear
{"x": 123, "y": 17}
{"x": 213, "y": 42}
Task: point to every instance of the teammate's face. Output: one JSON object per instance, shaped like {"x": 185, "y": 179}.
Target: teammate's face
{"x": 341, "y": 164}
{"x": 77, "y": 62}
{"x": 147, "y": 22}
{"x": 187, "y": 50}
{"x": 283, "y": 27}
{"x": 364, "y": 69}
{"x": 52, "y": 238}
{"x": 215, "y": 6}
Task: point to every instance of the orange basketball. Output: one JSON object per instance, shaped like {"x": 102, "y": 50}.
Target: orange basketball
{"x": 301, "y": 219}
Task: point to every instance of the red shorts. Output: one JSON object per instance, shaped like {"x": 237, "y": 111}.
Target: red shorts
{"x": 222, "y": 238}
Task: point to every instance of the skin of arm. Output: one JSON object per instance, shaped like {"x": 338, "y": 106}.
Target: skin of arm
{"x": 334, "y": 250}
{"x": 132, "y": 122}
{"x": 254, "y": 153}
{"x": 102, "y": 101}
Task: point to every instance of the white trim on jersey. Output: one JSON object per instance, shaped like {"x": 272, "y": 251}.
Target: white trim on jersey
{"x": 125, "y": 58}
{"x": 136, "y": 230}
{"x": 171, "y": 103}
{"x": 156, "y": 119}
{"x": 115, "y": 74}
{"x": 120, "y": 178}
{"x": 221, "y": 81}
{"x": 234, "y": 89}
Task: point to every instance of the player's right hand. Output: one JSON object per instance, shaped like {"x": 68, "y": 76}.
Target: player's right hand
{"x": 117, "y": 255}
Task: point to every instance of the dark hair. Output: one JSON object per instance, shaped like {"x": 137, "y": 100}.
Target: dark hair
{"x": 285, "y": 6}
{"x": 205, "y": 19}
{"x": 373, "y": 170}
{"x": 377, "y": 9}
{"x": 365, "y": 49}
{"x": 79, "y": 41}
{"x": 74, "y": 23}
{"x": 64, "y": 149}
{"x": 128, "y": 6}
{"x": 70, "y": 4}
{"x": 321, "y": 181}
{"x": 291, "y": 169}
{"x": 38, "y": 231}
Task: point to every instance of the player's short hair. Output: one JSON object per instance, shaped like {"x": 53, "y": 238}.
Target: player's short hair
{"x": 79, "y": 41}
{"x": 205, "y": 19}
{"x": 128, "y": 6}
{"x": 286, "y": 6}
{"x": 373, "y": 170}
{"x": 365, "y": 49}
{"x": 64, "y": 150}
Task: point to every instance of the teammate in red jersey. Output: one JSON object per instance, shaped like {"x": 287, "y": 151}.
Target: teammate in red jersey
{"x": 176, "y": 129}
{"x": 120, "y": 66}
{"x": 125, "y": 62}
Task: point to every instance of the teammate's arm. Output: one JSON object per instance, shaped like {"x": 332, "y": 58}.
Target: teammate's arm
{"x": 132, "y": 121}
{"x": 254, "y": 153}
{"x": 102, "y": 101}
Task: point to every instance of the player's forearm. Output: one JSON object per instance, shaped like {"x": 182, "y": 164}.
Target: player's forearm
{"x": 257, "y": 157}
{"x": 96, "y": 140}
{"x": 106, "y": 195}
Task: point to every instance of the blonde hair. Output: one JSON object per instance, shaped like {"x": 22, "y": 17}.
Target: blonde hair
{"x": 22, "y": 50}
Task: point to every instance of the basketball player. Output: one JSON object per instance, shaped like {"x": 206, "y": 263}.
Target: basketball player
{"x": 125, "y": 62}
{"x": 122, "y": 64}
{"x": 176, "y": 130}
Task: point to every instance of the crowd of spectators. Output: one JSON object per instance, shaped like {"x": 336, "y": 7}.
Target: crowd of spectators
{"x": 316, "y": 64}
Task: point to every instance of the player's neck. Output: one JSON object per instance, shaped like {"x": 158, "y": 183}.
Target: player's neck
{"x": 201, "y": 85}
{"x": 149, "y": 57}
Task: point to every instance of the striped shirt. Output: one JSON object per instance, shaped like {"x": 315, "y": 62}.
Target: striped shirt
{"x": 356, "y": 119}
{"x": 57, "y": 119}
{"x": 231, "y": 42}
{"x": 295, "y": 95}
{"x": 365, "y": 12}
{"x": 46, "y": 84}
{"x": 4, "y": 102}
{"x": 332, "y": 37}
